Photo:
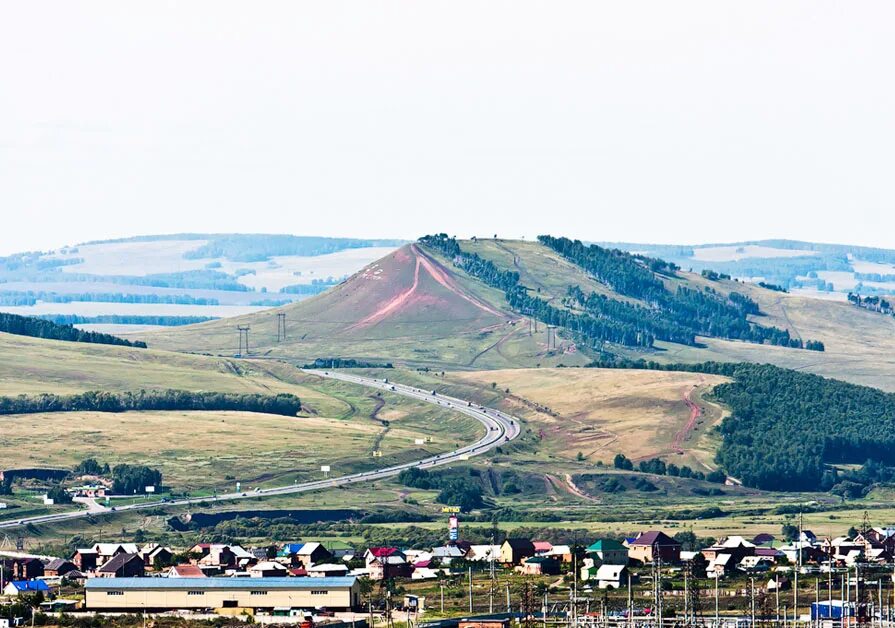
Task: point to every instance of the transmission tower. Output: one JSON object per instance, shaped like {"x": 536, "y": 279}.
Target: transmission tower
{"x": 243, "y": 339}
{"x": 281, "y": 326}
{"x": 551, "y": 337}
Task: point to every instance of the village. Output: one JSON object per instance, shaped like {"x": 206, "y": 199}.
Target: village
{"x": 644, "y": 579}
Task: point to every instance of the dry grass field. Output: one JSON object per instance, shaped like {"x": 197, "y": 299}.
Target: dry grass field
{"x": 201, "y": 450}
{"x": 601, "y": 412}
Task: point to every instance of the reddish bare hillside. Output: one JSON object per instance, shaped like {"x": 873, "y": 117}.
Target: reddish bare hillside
{"x": 408, "y": 297}
{"x": 404, "y": 291}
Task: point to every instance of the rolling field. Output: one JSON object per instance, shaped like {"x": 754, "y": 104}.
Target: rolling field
{"x": 860, "y": 345}
{"x": 199, "y": 451}
{"x": 601, "y": 412}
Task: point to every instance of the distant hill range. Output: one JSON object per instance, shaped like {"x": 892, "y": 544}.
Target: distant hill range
{"x": 172, "y": 279}
{"x": 830, "y": 270}
{"x": 445, "y": 304}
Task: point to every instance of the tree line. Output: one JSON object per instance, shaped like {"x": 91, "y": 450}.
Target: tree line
{"x": 39, "y": 328}
{"x": 95, "y": 401}
{"x": 125, "y": 319}
{"x": 787, "y": 428}
{"x": 525, "y": 301}
{"x": 657, "y": 466}
{"x": 677, "y": 316}
{"x": 30, "y": 297}
{"x": 674, "y": 315}
{"x": 452, "y": 490}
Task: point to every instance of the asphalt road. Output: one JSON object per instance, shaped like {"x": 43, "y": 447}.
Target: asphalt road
{"x": 500, "y": 428}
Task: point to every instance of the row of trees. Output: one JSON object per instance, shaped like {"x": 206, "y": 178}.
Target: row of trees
{"x": 283, "y": 404}
{"x": 677, "y": 315}
{"x": 39, "y": 328}
{"x": 874, "y": 303}
{"x": 346, "y": 363}
{"x": 453, "y": 490}
{"x": 125, "y": 319}
{"x": 656, "y": 466}
{"x": 128, "y": 479}
{"x": 30, "y": 297}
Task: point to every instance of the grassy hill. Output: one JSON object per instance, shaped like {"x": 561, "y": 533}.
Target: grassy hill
{"x": 410, "y": 307}
{"x": 415, "y": 307}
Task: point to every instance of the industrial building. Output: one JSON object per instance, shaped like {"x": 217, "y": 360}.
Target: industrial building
{"x": 159, "y": 594}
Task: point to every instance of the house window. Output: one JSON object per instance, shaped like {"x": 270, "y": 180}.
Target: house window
{"x": 195, "y": 592}
{"x": 114, "y": 592}
{"x": 319, "y": 592}
{"x": 258, "y": 593}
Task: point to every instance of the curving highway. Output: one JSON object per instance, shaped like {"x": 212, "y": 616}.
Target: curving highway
{"x": 499, "y": 428}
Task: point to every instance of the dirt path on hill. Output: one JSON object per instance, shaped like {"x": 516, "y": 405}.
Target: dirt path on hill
{"x": 496, "y": 345}
{"x": 677, "y": 443}
{"x": 575, "y": 490}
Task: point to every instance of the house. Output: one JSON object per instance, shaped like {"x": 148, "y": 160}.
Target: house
{"x": 763, "y": 538}
{"x": 155, "y": 554}
{"x": 654, "y": 546}
{"x": 85, "y": 559}
{"x": 123, "y": 566}
{"x": 539, "y": 566}
{"x": 339, "y": 550}
{"x": 513, "y": 551}
{"x": 200, "y": 549}
{"x": 448, "y": 553}
{"x": 428, "y": 573}
{"x": 483, "y": 553}
{"x": 542, "y": 547}
{"x": 268, "y": 569}
{"x": 608, "y": 552}
{"x": 311, "y": 554}
{"x": 59, "y": 567}
{"x": 374, "y": 553}
{"x": 185, "y": 571}
{"x": 21, "y": 587}
{"x": 107, "y": 551}
{"x": 562, "y": 553}
{"x": 612, "y": 576}
{"x": 755, "y": 563}
{"x": 778, "y": 584}
{"x": 24, "y": 568}
{"x": 721, "y": 565}
{"x": 327, "y": 570}
{"x": 385, "y": 563}
{"x": 218, "y": 556}
{"x": 736, "y": 546}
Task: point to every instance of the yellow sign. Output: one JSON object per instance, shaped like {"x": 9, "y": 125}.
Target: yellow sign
{"x": 450, "y": 509}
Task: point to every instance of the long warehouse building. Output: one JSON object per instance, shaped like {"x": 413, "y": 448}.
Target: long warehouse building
{"x": 160, "y": 594}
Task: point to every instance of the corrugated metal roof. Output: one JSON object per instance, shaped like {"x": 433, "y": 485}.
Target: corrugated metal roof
{"x": 101, "y": 584}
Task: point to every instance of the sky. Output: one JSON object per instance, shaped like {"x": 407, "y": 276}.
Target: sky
{"x": 692, "y": 121}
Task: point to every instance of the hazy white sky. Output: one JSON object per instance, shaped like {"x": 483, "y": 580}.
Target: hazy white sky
{"x": 643, "y": 121}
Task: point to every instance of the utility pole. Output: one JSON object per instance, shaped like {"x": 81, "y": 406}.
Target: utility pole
{"x": 795, "y": 589}
{"x": 470, "y": 589}
{"x": 717, "y": 600}
{"x": 752, "y": 599}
